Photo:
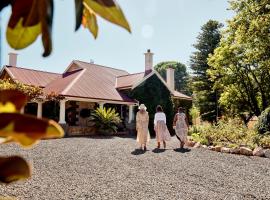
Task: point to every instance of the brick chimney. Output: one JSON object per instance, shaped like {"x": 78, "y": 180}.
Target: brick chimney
{"x": 12, "y": 59}
{"x": 148, "y": 62}
{"x": 170, "y": 78}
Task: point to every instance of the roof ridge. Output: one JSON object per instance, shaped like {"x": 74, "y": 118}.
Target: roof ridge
{"x": 101, "y": 66}
{"x": 67, "y": 88}
{"x": 130, "y": 74}
{"x": 8, "y": 66}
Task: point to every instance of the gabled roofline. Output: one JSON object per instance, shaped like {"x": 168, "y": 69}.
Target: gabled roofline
{"x": 73, "y": 62}
{"x": 69, "y": 86}
{"x": 5, "y": 68}
{"x": 154, "y": 72}
{"x": 78, "y": 63}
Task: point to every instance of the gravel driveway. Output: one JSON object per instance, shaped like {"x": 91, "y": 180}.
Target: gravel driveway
{"x": 109, "y": 168}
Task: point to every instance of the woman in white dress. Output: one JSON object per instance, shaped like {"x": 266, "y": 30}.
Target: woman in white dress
{"x": 142, "y": 121}
{"x": 180, "y": 123}
{"x": 162, "y": 132}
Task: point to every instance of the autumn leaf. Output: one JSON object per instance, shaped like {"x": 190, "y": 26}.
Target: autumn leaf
{"x": 90, "y": 20}
{"x": 20, "y": 37}
{"x": 109, "y": 10}
{"x": 27, "y": 129}
{"x": 13, "y": 168}
{"x": 45, "y": 11}
{"x": 79, "y": 13}
{"x": 12, "y": 100}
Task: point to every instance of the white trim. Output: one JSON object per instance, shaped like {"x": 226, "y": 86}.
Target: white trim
{"x": 99, "y": 101}
{"x": 9, "y": 73}
{"x": 148, "y": 76}
{"x": 73, "y": 82}
{"x": 73, "y": 62}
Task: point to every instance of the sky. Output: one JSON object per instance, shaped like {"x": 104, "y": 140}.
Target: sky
{"x": 168, "y": 27}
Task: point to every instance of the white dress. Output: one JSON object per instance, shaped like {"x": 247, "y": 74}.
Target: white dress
{"x": 181, "y": 128}
{"x": 142, "y": 120}
{"x": 162, "y": 132}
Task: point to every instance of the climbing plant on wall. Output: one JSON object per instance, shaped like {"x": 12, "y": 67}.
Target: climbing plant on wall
{"x": 152, "y": 92}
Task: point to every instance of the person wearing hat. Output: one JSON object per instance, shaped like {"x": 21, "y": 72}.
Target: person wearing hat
{"x": 142, "y": 121}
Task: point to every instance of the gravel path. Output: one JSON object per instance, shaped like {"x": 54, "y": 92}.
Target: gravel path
{"x": 96, "y": 168}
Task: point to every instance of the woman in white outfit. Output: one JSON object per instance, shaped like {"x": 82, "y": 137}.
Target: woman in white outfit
{"x": 181, "y": 126}
{"x": 142, "y": 120}
{"x": 162, "y": 132}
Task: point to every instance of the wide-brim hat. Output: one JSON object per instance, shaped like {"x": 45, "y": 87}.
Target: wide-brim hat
{"x": 142, "y": 106}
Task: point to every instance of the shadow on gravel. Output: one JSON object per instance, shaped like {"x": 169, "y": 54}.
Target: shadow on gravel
{"x": 157, "y": 150}
{"x": 182, "y": 150}
{"x": 137, "y": 152}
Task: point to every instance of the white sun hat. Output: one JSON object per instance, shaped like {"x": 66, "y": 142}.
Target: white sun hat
{"x": 142, "y": 106}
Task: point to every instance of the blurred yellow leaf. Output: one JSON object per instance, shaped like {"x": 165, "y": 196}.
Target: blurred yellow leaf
{"x": 26, "y": 129}
{"x": 13, "y": 168}
{"x": 90, "y": 20}
{"x": 12, "y": 100}
{"x": 109, "y": 10}
{"x": 21, "y": 36}
{"x": 7, "y": 107}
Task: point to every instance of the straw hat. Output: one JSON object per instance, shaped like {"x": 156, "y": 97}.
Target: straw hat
{"x": 142, "y": 106}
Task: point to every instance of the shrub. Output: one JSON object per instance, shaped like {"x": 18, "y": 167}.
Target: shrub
{"x": 106, "y": 120}
{"x": 226, "y": 133}
{"x": 263, "y": 125}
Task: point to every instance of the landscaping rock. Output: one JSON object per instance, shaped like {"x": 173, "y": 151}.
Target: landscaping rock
{"x": 225, "y": 150}
{"x": 204, "y": 146}
{"x": 211, "y": 148}
{"x": 197, "y": 145}
{"x": 258, "y": 151}
{"x": 218, "y": 148}
{"x": 246, "y": 151}
{"x": 190, "y": 143}
{"x": 235, "y": 150}
{"x": 267, "y": 153}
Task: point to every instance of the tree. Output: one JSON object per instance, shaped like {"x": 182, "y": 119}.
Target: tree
{"x": 202, "y": 86}
{"x": 240, "y": 66}
{"x": 181, "y": 75}
{"x": 31, "y": 18}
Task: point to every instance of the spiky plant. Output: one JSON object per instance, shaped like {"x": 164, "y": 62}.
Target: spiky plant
{"x": 106, "y": 120}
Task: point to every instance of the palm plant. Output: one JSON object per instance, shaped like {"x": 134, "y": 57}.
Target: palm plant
{"x": 106, "y": 120}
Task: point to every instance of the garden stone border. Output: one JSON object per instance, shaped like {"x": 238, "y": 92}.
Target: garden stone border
{"x": 258, "y": 151}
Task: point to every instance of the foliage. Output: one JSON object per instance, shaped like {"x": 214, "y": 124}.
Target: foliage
{"x": 194, "y": 112}
{"x": 240, "y": 66}
{"x": 32, "y": 92}
{"x": 202, "y": 86}
{"x": 263, "y": 124}
{"x": 31, "y": 18}
{"x": 23, "y": 129}
{"x": 226, "y": 132}
{"x": 152, "y": 92}
{"x": 52, "y": 96}
{"x": 181, "y": 75}
{"x": 106, "y": 120}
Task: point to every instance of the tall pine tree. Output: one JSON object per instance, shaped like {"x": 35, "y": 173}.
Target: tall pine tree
{"x": 206, "y": 98}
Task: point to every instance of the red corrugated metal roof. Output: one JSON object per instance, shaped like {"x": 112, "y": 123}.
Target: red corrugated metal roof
{"x": 127, "y": 81}
{"x": 92, "y": 81}
{"x": 30, "y": 76}
{"x": 64, "y": 81}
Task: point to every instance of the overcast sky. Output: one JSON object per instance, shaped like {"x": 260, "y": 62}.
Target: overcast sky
{"x": 167, "y": 27}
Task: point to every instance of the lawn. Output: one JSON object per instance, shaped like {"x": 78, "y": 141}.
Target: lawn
{"x": 109, "y": 168}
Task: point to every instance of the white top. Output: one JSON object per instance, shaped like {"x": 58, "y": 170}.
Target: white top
{"x": 160, "y": 116}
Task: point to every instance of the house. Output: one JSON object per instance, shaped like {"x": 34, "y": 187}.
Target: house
{"x": 85, "y": 86}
